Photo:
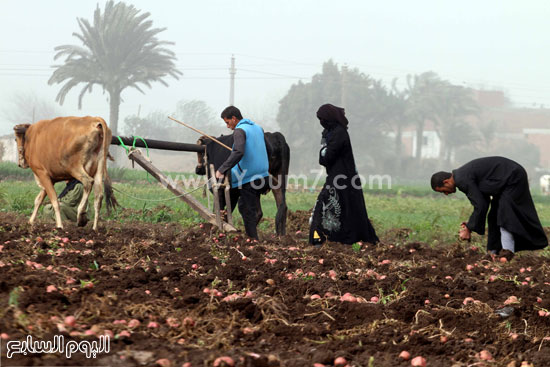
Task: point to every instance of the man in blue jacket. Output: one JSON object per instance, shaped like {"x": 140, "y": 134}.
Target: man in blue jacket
{"x": 249, "y": 166}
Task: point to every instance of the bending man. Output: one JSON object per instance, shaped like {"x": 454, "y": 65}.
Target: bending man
{"x": 69, "y": 199}
{"x": 502, "y": 184}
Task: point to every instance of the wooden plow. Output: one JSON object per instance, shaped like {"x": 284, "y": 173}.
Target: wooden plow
{"x": 217, "y": 187}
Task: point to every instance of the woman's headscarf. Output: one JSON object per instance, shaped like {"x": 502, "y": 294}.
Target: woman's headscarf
{"x": 331, "y": 113}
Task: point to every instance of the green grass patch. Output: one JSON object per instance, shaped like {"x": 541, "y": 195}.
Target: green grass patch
{"x": 430, "y": 219}
{"x": 11, "y": 171}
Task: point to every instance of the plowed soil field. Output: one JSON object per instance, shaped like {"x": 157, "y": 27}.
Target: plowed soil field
{"x": 173, "y": 296}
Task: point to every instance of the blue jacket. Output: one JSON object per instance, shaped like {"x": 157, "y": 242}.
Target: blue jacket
{"x": 254, "y": 163}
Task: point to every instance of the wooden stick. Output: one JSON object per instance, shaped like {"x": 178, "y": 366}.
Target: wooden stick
{"x": 215, "y": 191}
{"x": 228, "y": 200}
{"x": 135, "y": 155}
{"x": 200, "y": 132}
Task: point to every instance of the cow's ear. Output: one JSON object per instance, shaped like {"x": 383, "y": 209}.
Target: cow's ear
{"x": 21, "y": 128}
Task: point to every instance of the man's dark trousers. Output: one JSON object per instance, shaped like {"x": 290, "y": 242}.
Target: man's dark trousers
{"x": 249, "y": 205}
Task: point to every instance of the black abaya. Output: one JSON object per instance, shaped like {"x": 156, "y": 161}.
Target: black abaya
{"x": 339, "y": 214}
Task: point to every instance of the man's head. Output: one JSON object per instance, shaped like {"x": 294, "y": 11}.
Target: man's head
{"x": 443, "y": 182}
{"x": 231, "y": 115}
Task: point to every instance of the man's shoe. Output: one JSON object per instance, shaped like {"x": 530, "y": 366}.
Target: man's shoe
{"x": 507, "y": 254}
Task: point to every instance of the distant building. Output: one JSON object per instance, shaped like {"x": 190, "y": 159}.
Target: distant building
{"x": 491, "y": 99}
{"x": 528, "y": 124}
{"x": 10, "y": 148}
{"x": 431, "y": 143}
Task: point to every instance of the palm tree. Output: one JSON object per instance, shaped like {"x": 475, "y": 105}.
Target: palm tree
{"x": 397, "y": 101}
{"x": 120, "y": 50}
{"x": 423, "y": 93}
{"x": 450, "y": 116}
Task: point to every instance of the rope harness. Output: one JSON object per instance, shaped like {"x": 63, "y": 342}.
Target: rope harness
{"x": 160, "y": 200}
{"x": 129, "y": 150}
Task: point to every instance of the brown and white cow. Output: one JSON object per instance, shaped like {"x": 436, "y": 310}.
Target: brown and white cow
{"x": 65, "y": 148}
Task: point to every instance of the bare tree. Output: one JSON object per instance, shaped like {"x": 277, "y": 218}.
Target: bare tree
{"x": 29, "y": 108}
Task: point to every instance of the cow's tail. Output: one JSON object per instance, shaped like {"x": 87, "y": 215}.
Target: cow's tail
{"x": 285, "y": 164}
{"x": 110, "y": 200}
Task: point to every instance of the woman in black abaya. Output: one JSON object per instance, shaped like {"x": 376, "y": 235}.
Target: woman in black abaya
{"x": 339, "y": 214}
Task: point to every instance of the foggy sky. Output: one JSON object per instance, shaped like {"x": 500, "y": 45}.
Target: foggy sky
{"x": 500, "y": 44}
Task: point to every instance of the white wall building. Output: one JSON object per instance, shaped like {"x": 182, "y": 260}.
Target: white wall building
{"x": 10, "y": 148}
{"x": 431, "y": 144}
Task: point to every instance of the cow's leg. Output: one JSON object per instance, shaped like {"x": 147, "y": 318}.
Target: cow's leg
{"x": 46, "y": 185}
{"x": 200, "y": 169}
{"x": 98, "y": 197}
{"x": 87, "y": 183}
{"x": 98, "y": 184}
{"x": 38, "y": 201}
{"x": 280, "y": 218}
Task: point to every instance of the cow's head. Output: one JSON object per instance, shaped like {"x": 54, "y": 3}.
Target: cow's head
{"x": 201, "y": 164}
{"x": 20, "y": 131}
